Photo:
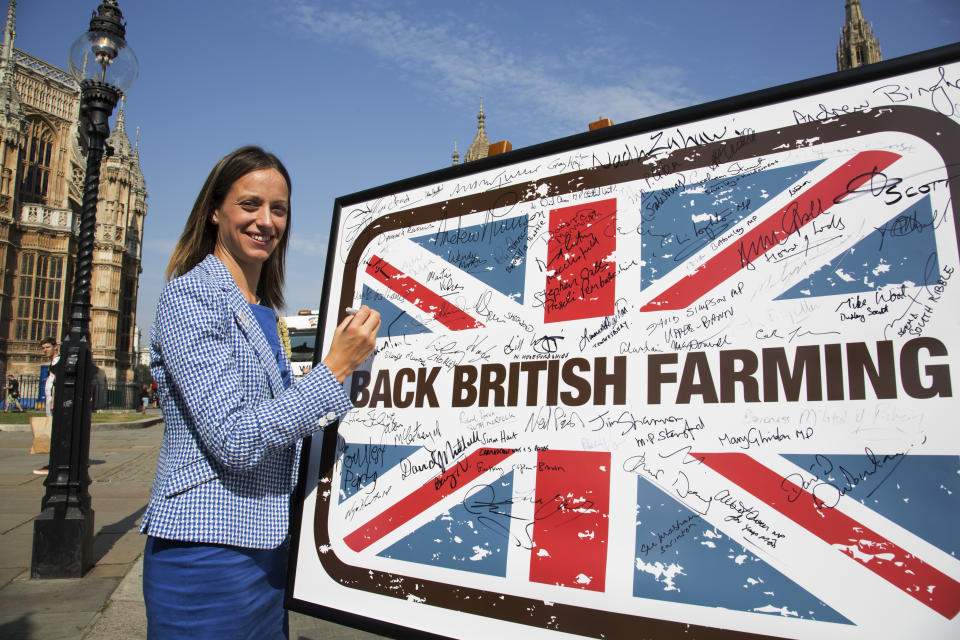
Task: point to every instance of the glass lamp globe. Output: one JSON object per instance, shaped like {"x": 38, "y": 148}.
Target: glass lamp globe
{"x": 105, "y": 58}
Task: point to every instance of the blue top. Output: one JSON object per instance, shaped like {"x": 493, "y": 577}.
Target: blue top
{"x": 267, "y": 320}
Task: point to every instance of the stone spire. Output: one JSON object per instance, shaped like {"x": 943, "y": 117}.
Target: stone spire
{"x": 11, "y": 111}
{"x": 456, "y": 156}
{"x": 118, "y": 138}
{"x": 480, "y": 145}
{"x": 6, "y": 54}
{"x": 858, "y": 45}
{"x": 854, "y": 12}
{"x": 9, "y": 31}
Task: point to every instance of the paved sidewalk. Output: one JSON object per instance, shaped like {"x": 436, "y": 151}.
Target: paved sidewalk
{"x": 107, "y": 602}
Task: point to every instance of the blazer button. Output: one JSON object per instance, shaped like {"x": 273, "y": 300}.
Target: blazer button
{"x": 331, "y": 416}
{"x": 323, "y": 422}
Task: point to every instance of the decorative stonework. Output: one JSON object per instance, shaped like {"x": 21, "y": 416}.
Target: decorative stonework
{"x": 480, "y": 145}
{"x": 858, "y": 46}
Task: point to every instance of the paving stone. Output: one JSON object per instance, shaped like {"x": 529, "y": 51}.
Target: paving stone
{"x": 102, "y": 570}
{"x": 127, "y": 620}
{"x": 57, "y": 596}
{"x": 8, "y": 574}
{"x": 12, "y": 521}
{"x": 16, "y": 550}
{"x": 50, "y": 626}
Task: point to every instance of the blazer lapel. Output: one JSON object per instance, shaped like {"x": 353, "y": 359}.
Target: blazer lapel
{"x": 247, "y": 322}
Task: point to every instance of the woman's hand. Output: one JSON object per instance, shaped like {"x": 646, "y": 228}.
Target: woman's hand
{"x": 353, "y": 342}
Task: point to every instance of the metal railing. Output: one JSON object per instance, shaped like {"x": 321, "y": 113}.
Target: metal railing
{"x": 112, "y": 395}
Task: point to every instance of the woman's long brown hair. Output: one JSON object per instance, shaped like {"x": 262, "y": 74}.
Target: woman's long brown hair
{"x": 199, "y": 236}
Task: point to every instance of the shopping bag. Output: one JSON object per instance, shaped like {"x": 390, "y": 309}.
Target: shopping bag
{"x": 40, "y": 425}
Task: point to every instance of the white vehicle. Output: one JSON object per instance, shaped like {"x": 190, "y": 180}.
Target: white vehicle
{"x": 302, "y": 329}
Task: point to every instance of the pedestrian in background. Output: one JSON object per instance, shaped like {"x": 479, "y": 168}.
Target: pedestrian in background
{"x": 217, "y": 520}
{"x": 144, "y": 398}
{"x": 49, "y": 348}
{"x": 13, "y": 393}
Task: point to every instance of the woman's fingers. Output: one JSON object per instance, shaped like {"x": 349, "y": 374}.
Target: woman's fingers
{"x": 353, "y": 341}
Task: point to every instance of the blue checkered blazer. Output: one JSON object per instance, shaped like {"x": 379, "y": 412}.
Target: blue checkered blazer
{"x": 231, "y": 445}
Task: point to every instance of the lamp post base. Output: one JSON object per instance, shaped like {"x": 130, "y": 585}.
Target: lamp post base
{"x": 62, "y": 547}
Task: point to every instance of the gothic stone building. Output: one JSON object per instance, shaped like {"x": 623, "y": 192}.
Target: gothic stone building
{"x": 42, "y": 167}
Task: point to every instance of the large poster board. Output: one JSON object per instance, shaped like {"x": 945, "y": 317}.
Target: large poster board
{"x": 689, "y": 376}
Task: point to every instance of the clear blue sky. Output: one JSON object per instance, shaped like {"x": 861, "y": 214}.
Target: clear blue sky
{"x": 353, "y": 95}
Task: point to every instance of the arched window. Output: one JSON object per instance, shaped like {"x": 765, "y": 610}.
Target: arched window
{"x": 35, "y": 159}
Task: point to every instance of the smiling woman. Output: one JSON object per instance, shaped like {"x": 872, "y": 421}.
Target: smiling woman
{"x": 217, "y": 518}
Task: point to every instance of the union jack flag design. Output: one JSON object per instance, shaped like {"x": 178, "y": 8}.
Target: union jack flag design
{"x": 464, "y": 519}
{"x": 704, "y": 525}
{"x": 490, "y": 258}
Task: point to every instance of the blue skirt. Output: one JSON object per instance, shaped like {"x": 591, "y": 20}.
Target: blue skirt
{"x": 213, "y": 592}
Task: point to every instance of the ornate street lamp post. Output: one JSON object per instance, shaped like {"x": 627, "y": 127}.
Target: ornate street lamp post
{"x": 105, "y": 66}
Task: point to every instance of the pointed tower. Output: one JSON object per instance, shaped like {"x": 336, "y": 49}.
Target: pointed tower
{"x": 456, "y": 156}
{"x": 121, "y": 210}
{"x": 480, "y": 145}
{"x": 9, "y": 32}
{"x": 858, "y": 46}
{"x": 118, "y": 140}
{"x": 12, "y": 119}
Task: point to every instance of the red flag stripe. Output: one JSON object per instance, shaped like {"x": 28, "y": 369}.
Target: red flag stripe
{"x": 446, "y": 313}
{"x": 573, "y": 500}
{"x": 582, "y": 281}
{"x": 894, "y": 564}
{"x": 773, "y": 231}
{"x": 429, "y": 494}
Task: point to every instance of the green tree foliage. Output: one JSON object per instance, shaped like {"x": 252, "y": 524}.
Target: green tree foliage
{"x": 142, "y": 375}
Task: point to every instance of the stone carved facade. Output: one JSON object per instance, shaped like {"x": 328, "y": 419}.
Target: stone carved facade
{"x": 858, "y": 46}
{"x": 116, "y": 256}
{"x": 42, "y": 169}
